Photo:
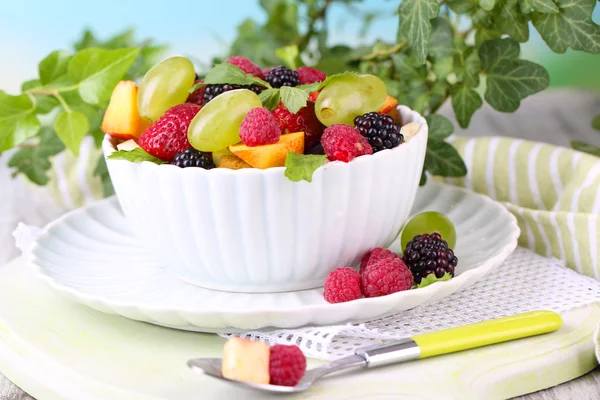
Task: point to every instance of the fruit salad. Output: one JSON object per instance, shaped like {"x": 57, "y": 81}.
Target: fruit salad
{"x": 241, "y": 116}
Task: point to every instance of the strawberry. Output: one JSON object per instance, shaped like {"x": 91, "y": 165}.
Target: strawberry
{"x": 304, "y": 120}
{"x": 168, "y": 135}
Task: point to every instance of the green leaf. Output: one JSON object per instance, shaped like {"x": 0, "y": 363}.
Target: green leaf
{"x": 543, "y": 6}
{"x": 442, "y": 159}
{"x": 54, "y": 66}
{"x": 512, "y": 22}
{"x": 120, "y": 40}
{"x": 310, "y": 87}
{"x": 440, "y": 41}
{"x": 34, "y": 161}
{"x": 87, "y": 40}
{"x": 98, "y": 71}
{"x": 289, "y": 55}
{"x": 442, "y": 67}
{"x": 17, "y": 120}
{"x": 302, "y": 166}
{"x": 586, "y": 148}
{"x": 596, "y": 122}
{"x": 439, "y": 93}
{"x": 484, "y": 34}
{"x": 487, "y": 5}
{"x": 440, "y": 127}
{"x": 27, "y": 85}
{"x": 229, "y": 73}
{"x": 431, "y": 278}
{"x": 468, "y": 66}
{"x": 135, "y": 155}
{"x": 423, "y": 179}
{"x": 71, "y": 127}
{"x": 462, "y": 6}
{"x": 330, "y": 79}
{"x": 269, "y": 98}
{"x": 415, "y": 24}
{"x": 571, "y": 27}
{"x": 101, "y": 171}
{"x": 509, "y": 80}
{"x": 465, "y": 102}
{"x": 293, "y": 98}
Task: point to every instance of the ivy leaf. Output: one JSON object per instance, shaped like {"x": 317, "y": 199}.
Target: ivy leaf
{"x": 442, "y": 159}
{"x": 462, "y": 6}
{"x": 34, "y": 161}
{"x": 440, "y": 127}
{"x": 269, "y": 98}
{"x": 483, "y": 34}
{"x": 302, "y": 166}
{"x": 586, "y": 148}
{"x": 442, "y": 67}
{"x": 465, "y": 102}
{"x": 289, "y": 55}
{"x": 440, "y": 41}
{"x": 71, "y": 127}
{"x": 509, "y": 80}
{"x": 229, "y": 73}
{"x": 543, "y": 6}
{"x": 135, "y": 155}
{"x": 101, "y": 171}
{"x": 571, "y": 27}
{"x": 415, "y": 24}
{"x": 293, "y": 98}
{"x": 439, "y": 92}
{"x": 596, "y": 122}
{"x": 512, "y": 22}
{"x": 468, "y": 66}
{"x": 17, "y": 120}
{"x": 98, "y": 71}
{"x": 53, "y": 66}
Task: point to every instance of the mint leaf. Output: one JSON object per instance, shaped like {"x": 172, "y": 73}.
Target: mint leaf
{"x": 310, "y": 87}
{"x": 571, "y": 27}
{"x": 98, "y": 71}
{"x": 586, "y": 148}
{"x": 289, "y": 55}
{"x": 487, "y": 5}
{"x": 135, "y": 155}
{"x": 101, "y": 171}
{"x": 468, "y": 66}
{"x": 17, "y": 120}
{"x": 293, "y": 98}
{"x": 431, "y": 278}
{"x": 465, "y": 102}
{"x": 53, "y": 66}
{"x": 509, "y": 80}
{"x": 543, "y": 6}
{"x": 302, "y": 166}
{"x": 228, "y": 73}
{"x": 71, "y": 127}
{"x": 443, "y": 160}
{"x": 269, "y": 98}
{"x": 512, "y": 22}
{"x": 439, "y": 126}
{"x": 415, "y": 24}
{"x": 596, "y": 122}
{"x": 440, "y": 42}
{"x": 34, "y": 161}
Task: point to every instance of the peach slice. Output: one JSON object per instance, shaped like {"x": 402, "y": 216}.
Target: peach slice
{"x": 390, "y": 104}
{"x": 122, "y": 119}
{"x": 270, "y": 155}
{"x": 233, "y": 162}
{"x": 246, "y": 360}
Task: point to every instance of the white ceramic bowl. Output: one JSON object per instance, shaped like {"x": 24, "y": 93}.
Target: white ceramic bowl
{"x": 254, "y": 230}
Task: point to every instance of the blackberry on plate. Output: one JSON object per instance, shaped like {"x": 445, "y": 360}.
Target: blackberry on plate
{"x": 429, "y": 254}
{"x": 380, "y": 129}
{"x": 191, "y": 157}
{"x": 282, "y": 76}
{"x": 214, "y": 90}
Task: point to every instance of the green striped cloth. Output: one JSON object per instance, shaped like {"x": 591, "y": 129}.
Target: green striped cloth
{"x": 553, "y": 191}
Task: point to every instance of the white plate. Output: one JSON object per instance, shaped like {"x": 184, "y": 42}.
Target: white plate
{"x": 91, "y": 256}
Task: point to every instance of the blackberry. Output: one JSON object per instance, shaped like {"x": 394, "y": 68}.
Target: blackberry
{"x": 191, "y": 157}
{"x": 282, "y": 76}
{"x": 429, "y": 254}
{"x": 380, "y": 129}
{"x": 213, "y": 91}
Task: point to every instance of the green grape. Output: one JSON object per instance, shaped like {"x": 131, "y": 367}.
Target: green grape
{"x": 165, "y": 85}
{"x": 217, "y": 124}
{"x": 344, "y": 99}
{"x": 429, "y": 222}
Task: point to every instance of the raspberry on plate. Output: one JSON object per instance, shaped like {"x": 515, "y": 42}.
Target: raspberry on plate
{"x": 381, "y": 130}
{"x": 386, "y": 276}
{"x": 282, "y": 76}
{"x": 259, "y": 127}
{"x": 304, "y": 120}
{"x": 247, "y": 66}
{"x": 344, "y": 143}
{"x": 429, "y": 254}
{"x": 375, "y": 255}
{"x": 287, "y": 365}
{"x": 341, "y": 285}
{"x": 168, "y": 135}
{"x": 310, "y": 75}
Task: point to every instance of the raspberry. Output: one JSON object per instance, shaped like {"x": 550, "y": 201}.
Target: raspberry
{"x": 386, "y": 276}
{"x": 429, "y": 254}
{"x": 375, "y": 255}
{"x": 287, "y": 365}
{"x": 191, "y": 157}
{"x": 381, "y": 130}
{"x": 213, "y": 91}
{"x": 168, "y": 135}
{"x": 259, "y": 127}
{"x": 197, "y": 97}
{"x": 341, "y": 285}
{"x": 344, "y": 143}
{"x": 246, "y": 65}
{"x": 310, "y": 75}
{"x": 282, "y": 76}
{"x": 304, "y": 120}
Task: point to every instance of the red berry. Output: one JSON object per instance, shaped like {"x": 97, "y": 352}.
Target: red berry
{"x": 247, "y": 66}
{"x": 304, "y": 120}
{"x": 386, "y": 276}
{"x": 287, "y": 365}
{"x": 344, "y": 143}
{"x": 310, "y": 75}
{"x": 259, "y": 127}
{"x": 342, "y": 284}
{"x": 313, "y": 96}
{"x": 197, "y": 97}
{"x": 168, "y": 135}
{"x": 375, "y": 255}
